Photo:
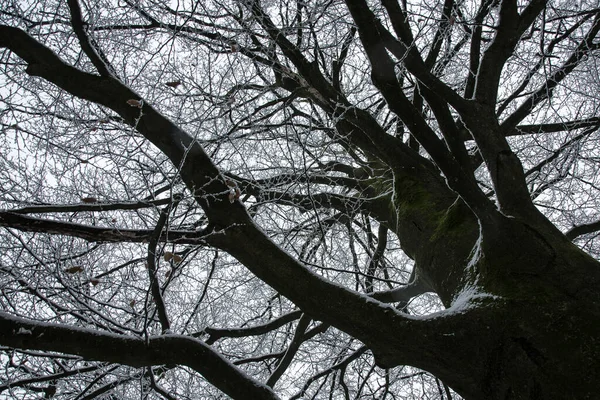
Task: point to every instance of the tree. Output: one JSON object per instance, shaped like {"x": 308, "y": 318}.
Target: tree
{"x": 321, "y": 199}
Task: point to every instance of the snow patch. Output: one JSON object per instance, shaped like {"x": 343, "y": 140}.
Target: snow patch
{"x": 23, "y": 331}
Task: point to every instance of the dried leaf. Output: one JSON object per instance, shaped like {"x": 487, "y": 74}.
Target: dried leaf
{"x": 168, "y": 256}
{"x": 89, "y": 200}
{"x": 173, "y": 84}
{"x": 168, "y": 273}
{"x": 132, "y": 303}
{"x": 81, "y": 160}
{"x": 135, "y": 103}
{"x": 74, "y": 270}
{"x": 231, "y": 197}
{"x": 105, "y": 121}
{"x": 177, "y": 258}
{"x": 235, "y": 47}
{"x": 95, "y": 281}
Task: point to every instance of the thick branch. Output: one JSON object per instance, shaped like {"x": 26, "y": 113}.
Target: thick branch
{"x": 401, "y": 294}
{"x": 127, "y": 350}
{"x": 509, "y": 30}
{"x": 94, "y": 233}
{"x": 582, "y": 229}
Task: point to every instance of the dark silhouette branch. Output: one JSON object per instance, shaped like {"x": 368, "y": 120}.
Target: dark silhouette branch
{"x": 23, "y": 333}
{"x": 99, "y": 206}
{"x": 219, "y": 333}
{"x": 291, "y": 350}
{"x": 87, "y": 43}
{"x": 582, "y": 229}
{"x": 94, "y": 233}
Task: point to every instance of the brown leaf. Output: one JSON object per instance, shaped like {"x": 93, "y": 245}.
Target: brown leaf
{"x": 95, "y": 281}
{"x": 74, "y": 270}
{"x": 132, "y": 303}
{"x": 135, "y": 103}
{"x": 173, "y": 84}
{"x": 177, "y": 258}
{"x": 89, "y": 200}
{"x": 168, "y": 256}
{"x": 168, "y": 273}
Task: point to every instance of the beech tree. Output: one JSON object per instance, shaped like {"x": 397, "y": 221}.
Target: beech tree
{"x": 311, "y": 199}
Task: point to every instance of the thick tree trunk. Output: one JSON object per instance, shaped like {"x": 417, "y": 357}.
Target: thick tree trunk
{"x": 525, "y": 300}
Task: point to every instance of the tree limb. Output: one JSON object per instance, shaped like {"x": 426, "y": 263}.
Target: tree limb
{"x": 291, "y": 351}
{"x": 128, "y": 350}
{"x": 218, "y": 333}
{"x": 94, "y": 233}
{"x": 579, "y": 230}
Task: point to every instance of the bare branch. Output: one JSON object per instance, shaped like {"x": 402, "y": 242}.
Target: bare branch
{"x": 127, "y": 350}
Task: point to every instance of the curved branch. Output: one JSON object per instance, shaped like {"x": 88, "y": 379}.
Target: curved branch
{"x": 217, "y": 333}
{"x": 88, "y": 45}
{"x": 508, "y": 32}
{"x": 127, "y": 350}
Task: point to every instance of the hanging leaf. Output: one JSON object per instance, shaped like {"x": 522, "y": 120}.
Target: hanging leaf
{"x": 177, "y": 258}
{"x": 173, "y": 84}
{"x": 74, "y": 270}
{"x": 95, "y": 281}
{"x": 168, "y": 256}
{"x": 89, "y": 200}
